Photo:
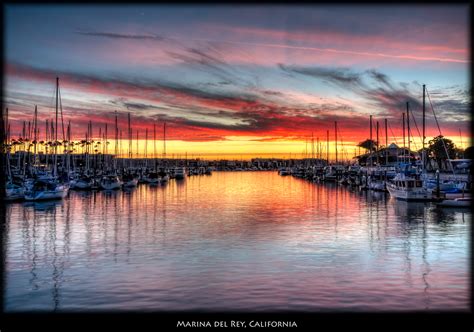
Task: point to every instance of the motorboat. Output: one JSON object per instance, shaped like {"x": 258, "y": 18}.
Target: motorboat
{"x": 408, "y": 188}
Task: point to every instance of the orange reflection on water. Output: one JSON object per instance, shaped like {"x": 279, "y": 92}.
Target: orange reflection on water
{"x": 236, "y": 240}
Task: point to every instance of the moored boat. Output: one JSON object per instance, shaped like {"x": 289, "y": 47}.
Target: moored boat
{"x": 152, "y": 178}
{"x": 179, "y": 173}
{"x": 129, "y": 180}
{"x": 284, "y": 171}
{"x": 82, "y": 183}
{"x": 408, "y": 188}
{"x": 14, "y": 191}
{"x": 465, "y": 202}
{"x": 45, "y": 190}
{"x": 110, "y": 182}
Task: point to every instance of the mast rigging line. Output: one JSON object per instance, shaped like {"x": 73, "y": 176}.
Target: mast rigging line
{"x": 439, "y": 128}
{"x": 393, "y": 135}
{"x": 343, "y": 150}
{"x": 416, "y": 126}
{"x": 61, "y": 111}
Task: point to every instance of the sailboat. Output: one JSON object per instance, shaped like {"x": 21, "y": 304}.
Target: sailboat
{"x": 129, "y": 179}
{"x": 152, "y": 177}
{"x": 49, "y": 187}
{"x": 111, "y": 181}
{"x": 14, "y": 189}
{"x": 408, "y": 184}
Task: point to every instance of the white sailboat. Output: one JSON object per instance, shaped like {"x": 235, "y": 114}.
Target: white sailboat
{"x": 48, "y": 186}
{"x": 82, "y": 183}
{"x": 408, "y": 184}
{"x": 152, "y": 177}
{"x": 45, "y": 190}
{"x": 110, "y": 182}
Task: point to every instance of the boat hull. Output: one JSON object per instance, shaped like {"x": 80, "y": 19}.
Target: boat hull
{"x": 455, "y": 203}
{"x": 131, "y": 183}
{"x": 59, "y": 193}
{"x": 14, "y": 194}
{"x": 408, "y": 195}
{"x": 110, "y": 186}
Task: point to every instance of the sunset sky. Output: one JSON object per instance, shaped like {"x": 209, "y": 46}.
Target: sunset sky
{"x": 240, "y": 80}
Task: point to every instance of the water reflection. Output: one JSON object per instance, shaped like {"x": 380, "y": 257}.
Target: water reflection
{"x": 235, "y": 241}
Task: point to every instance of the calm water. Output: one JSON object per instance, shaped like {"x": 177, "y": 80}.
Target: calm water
{"x": 251, "y": 241}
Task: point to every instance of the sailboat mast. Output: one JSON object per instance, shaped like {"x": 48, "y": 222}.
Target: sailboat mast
{"x": 386, "y": 142}
{"x": 408, "y": 131}
{"x": 403, "y": 130}
{"x": 129, "y": 141}
{"x": 6, "y": 125}
{"x": 318, "y": 152}
{"x": 106, "y": 150}
{"x": 116, "y": 142}
{"x": 5, "y": 143}
{"x": 370, "y": 142}
{"x": 377, "y": 145}
{"x": 68, "y": 138}
{"x": 35, "y": 138}
{"x": 424, "y": 126}
{"x": 327, "y": 146}
{"x": 335, "y": 131}
{"x": 56, "y": 131}
{"x": 164, "y": 140}
{"x": 146, "y": 147}
{"x": 154, "y": 144}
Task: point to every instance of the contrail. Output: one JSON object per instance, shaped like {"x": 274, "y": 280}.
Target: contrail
{"x": 161, "y": 38}
{"x": 307, "y": 48}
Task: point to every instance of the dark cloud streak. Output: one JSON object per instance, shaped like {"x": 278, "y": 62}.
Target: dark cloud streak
{"x": 120, "y": 36}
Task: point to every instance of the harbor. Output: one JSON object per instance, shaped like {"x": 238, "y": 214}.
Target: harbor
{"x": 188, "y": 161}
{"x": 406, "y": 174}
{"x": 236, "y": 241}
{"x": 87, "y": 226}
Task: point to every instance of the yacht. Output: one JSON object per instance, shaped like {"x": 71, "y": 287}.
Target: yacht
{"x": 408, "y": 187}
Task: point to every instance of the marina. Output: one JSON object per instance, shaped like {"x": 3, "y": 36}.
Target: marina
{"x": 233, "y": 241}
{"x": 186, "y": 161}
{"x": 97, "y": 231}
